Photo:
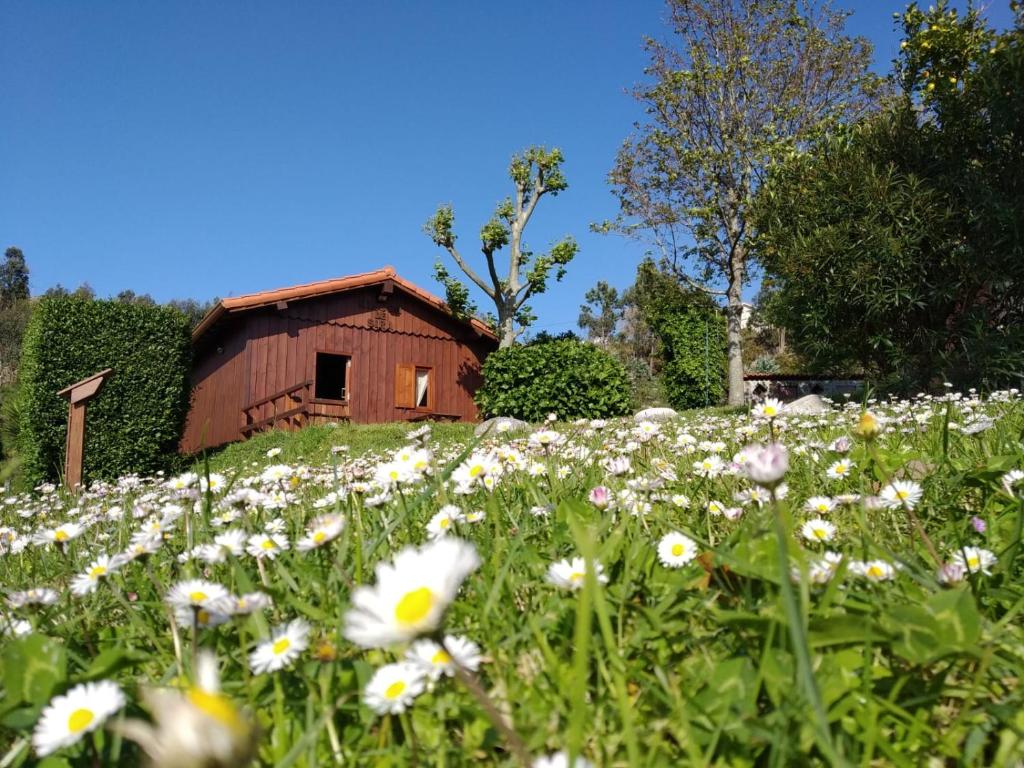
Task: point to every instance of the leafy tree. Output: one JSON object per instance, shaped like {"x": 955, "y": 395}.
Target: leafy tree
{"x": 128, "y": 296}
{"x": 691, "y": 337}
{"x": 13, "y": 277}
{"x": 192, "y": 309}
{"x": 601, "y": 313}
{"x": 747, "y": 82}
{"x": 534, "y": 173}
{"x": 84, "y": 291}
{"x": 896, "y": 246}
{"x": 15, "y": 309}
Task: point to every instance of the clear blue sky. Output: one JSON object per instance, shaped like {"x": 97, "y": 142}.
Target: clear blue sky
{"x": 200, "y": 149}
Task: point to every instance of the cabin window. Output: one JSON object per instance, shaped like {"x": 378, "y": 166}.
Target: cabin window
{"x": 422, "y": 387}
{"x": 331, "y": 381}
{"x": 414, "y": 387}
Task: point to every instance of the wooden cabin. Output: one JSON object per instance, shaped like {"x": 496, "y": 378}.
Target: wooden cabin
{"x": 367, "y": 348}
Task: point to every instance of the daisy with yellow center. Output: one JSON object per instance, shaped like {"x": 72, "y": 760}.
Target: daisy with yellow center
{"x": 394, "y": 687}
{"x": 411, "y": 593}
{"x": 901, "y": 493}
{"x": 322, "y": 530}
{"x": 196, "y": 727}
{"x": 676, "y": 550}
{"x": 204, "y": 602}
{"x": 436, "y": 660}
{"x": 839, "y": 469}
{"x": 86, "y": 583}
{"x": 67, "y": 718}
{"x": 769, "y": 409}
{"x": 266, "y": 545}
{"x": 444, "y": 520}
{"x": 818, "y": 531}
{"x": 873, "y": 570}
{"x": 571, "y": 574}
{"x": 285, "y": 645}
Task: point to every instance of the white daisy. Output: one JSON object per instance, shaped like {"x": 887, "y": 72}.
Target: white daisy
{"x": 820, "y": 505}
{"x": 975, "y": 560}
{"x": 676, "y": 550}
{"x": 86, "y": 582}
{"x": 411, "y": 593}
{"x": 266, "y": 545}
{"x": 285, "y": 645}
{"x": 393, "y": 687}
{"x": 33, "y": 596}
{"x": 769, "y": 409}
{"x": 205, "y": 602}
{"x": 873, "y": 570}
{"x": 250, "y": 603}
{"x": 436, "y": 660}
{"x": 69, "y": 717}
{"x": 901, "y": 493}
{"x": 839, "y": 469}
{"x": 571, "y": 574}
{"x": 322, "y": 530}
{"x": 62, "y": 534}
{"x": 441, "y": 523}
{"x": 818, "y": 530}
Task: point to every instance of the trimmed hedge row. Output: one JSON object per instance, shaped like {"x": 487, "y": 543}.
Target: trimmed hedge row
{"x": 568, "y": 377}
{"x": 136, "y": 421}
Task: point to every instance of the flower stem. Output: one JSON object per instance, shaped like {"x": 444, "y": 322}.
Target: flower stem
{"x": 472, "y": 683}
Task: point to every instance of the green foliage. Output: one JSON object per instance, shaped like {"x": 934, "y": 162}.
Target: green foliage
{"x": 601, "y": 313}
{"x": 691, "y": 335}
{"x": 456, "y": 293}
{"x": 738, "y": 86}
{"x": 136, "y": 420}
{"x": 13, "y": 277}
{"x": 896, "y": 246}
{"x": 568, "y": 377}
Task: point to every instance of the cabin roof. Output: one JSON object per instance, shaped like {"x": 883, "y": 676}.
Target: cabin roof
{"x": 249, "y": 301}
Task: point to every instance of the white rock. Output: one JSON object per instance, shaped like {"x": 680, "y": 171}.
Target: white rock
{"x": 806, "y": 404}
{"x": 500, "y": 425}
{"x": 655, "y": 414}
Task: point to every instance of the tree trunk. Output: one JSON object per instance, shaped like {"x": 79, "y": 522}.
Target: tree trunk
{"x": 733, "y": 314}
{"x": 734, "y": 319}
{"x": 506, "y": 329}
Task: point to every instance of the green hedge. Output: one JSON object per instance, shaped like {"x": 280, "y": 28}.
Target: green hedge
{"x": 568, "y": 377}
{"x": 135, "y": 422}
{"x": 693, "y": 348}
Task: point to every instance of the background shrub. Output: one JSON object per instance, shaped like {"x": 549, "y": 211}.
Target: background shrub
{"x": 693, "y": 350}
{"x": 568, "y": 377}
{"x": 690, "y": 330}
{"x": 134, "y": 424}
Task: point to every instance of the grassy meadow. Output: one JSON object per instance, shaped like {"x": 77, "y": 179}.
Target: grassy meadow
{"x": 728, "y": 589}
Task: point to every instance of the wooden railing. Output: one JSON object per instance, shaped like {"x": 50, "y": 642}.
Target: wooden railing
{"x": 289, "y": 408}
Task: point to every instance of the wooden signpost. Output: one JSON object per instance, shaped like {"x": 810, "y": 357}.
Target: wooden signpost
{"x": 78, "y": 395}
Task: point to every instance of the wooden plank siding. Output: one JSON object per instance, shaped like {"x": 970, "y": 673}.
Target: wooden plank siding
{"x": 249, "y": 356}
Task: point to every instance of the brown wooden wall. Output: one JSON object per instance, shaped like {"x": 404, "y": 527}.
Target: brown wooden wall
{"x": 262, "y": 351}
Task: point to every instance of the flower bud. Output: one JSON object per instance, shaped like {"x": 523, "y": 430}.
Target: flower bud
{"x": 766, "y": 465}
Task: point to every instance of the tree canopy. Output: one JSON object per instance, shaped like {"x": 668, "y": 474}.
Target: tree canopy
{"x": 743, "y": 83}
{"x": 534, "y": 173}
{"x": 895, "y": 246}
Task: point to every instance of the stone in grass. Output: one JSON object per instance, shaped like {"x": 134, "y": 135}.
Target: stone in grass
{"x": 655, "y": 414}
{"x": 808, "y": 404}
{"x": 500, "y": 425}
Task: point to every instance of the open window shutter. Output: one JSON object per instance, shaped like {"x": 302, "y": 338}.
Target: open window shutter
{"x": 405, "y": 386}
